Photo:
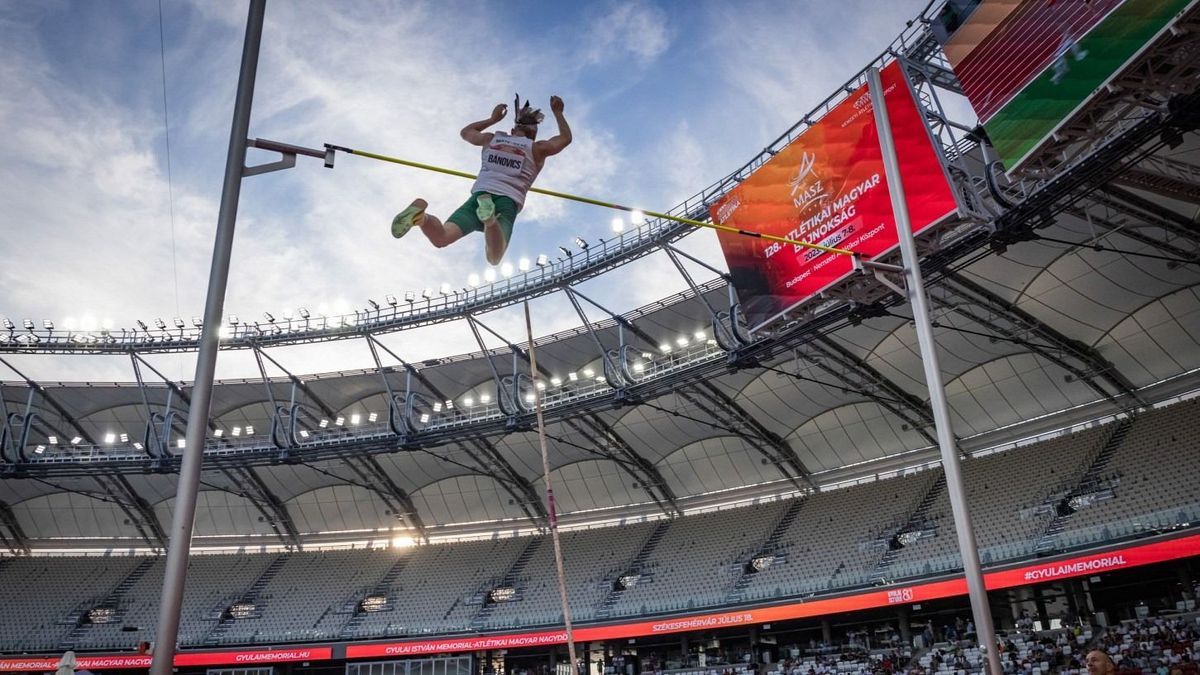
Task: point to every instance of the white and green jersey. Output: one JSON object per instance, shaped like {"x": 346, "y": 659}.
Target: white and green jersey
{"x": 508, "y": 167}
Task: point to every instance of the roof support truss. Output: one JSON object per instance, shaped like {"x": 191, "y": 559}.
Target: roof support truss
{"x": 841, "y": 363}
{"x": 709, "y": 398}
{"x": 607, "y": 442}
{"x": 135, "y": 507}
{"x": 249, "y": 485}
{"x": 981, "y": 305}
{"x": 11, "y": 532}
{"x": 493, "y": 464}
{"x": 371, "y": 473}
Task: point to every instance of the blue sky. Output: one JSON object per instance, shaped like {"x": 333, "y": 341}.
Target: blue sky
{"x": 663, "y": 98}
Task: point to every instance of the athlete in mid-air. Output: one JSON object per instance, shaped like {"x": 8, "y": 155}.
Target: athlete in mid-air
{"x": 510, "y": 164}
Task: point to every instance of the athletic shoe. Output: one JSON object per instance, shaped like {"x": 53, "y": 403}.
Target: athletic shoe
{"x": 406, "y": 219}
{"x": 487, "y": 208}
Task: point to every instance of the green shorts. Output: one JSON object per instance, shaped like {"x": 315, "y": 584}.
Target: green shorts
{"x": 468, "y": 222}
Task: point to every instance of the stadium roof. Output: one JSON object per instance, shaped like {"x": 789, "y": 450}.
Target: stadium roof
{"x": 1088, "y": 306}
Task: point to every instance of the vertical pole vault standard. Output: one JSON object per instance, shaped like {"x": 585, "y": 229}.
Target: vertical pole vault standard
{"x": 550, "y": 508}
{"x": 206, "y": 359}
{"x": 933, "y": 379}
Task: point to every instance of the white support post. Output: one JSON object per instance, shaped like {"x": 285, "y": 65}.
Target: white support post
{"x": 919, "y": 303}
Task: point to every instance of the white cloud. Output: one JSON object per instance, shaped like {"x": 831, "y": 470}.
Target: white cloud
{"x": 636, "y": 29}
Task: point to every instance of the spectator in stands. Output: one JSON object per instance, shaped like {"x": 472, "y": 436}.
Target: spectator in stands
{"x": 1099, "y": 663}
{"x": 67, "y": 664}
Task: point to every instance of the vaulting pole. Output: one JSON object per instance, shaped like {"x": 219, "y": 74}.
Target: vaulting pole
{"x": 550, "y": 509}
{"x": 184, "y": 515}
{"x": 919, "y": 302}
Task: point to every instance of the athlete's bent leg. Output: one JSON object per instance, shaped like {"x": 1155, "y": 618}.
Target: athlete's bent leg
{"x": 494, "y": 241}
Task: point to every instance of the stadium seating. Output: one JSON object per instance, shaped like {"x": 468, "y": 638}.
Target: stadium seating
{"x": 1124, "y": 480}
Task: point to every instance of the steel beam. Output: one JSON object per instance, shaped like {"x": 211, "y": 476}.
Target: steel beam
{"x": 11, "y": 532}
{"x": 493, "y": 464}
{"x": 370, "y": 472}
{"x": 1095, "y": 366}
{"x": 709, "y": 398}
{"x": 856, "y": 372}
{"x": 136, "y": 508}
{"x": 252, "y": 487}
{"x": 607, "y": 443}
{"x": 1153, "y": 213}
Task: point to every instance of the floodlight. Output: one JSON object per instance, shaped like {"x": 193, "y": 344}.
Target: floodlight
{"x": 523, "y": 264}
{"x": 181, "y": 444}
{"x": 124, "y": 438}
{"x": 138, "y": 446}
{"x": 76, "y": 440}
{"x": 529, "y": 398}
{"x": 339, "y": 421}
{"x": 472, "y": 280}
{"x": 234, "y": 320}
{"x": 437, "y": 407}
{"x": 160, "y": 324}
{"x": 236, "y": 431}
{"x": 506, "y": 270}
{"x": 581, "y": 243}
{"x": 8, "y": 323}
{"x": 639, "y": 367}
{"x": 682, "y": 341}
{"x": 566, "y": 251}
{"x": 541, "y": 386}
{"x": 197, "y": 321}
{"x": 40, "y": 449}
{"x": 427, "y": 293}
{"x": 355, "y": 418}
{"x": 47, "y": 324}
{"x": 637, "y": 217}
{"x": 409, "y": 296}
{"x": 219, "y": 433}
{"x": 424, "y": 418}
{"x": 374, "y": 305}
{"x": 249, "y": 430}
{"x": 449, "y": 404}
{"x": 572, "y": 376}
{"x": 287, "y": 314}
{"x": 178, "y": 321}
{"x": 391, "y": 299}
{"x": 28, "y": 324}
{"x": 303, "y": 433}
{"x": 110, "y": 438}
{"x": 372, "y": 417}
{"x": 303, "y": 311}
{"x": 444, "y": 289}
{"x": 664, "y": 348}
{"x": 701, "y": 336}
{"x": 543, "y": 260}
{"x": 142, "y": 325}
{"x": 324, "y": 423}
{"x": 556, "y": 381}
{"x": 52, "y": 439}
{"x": 618, "y": 225}
{"x": 468, "y": 401}
{"x": 489, "y": 275}
{"x": 588, "y": 372}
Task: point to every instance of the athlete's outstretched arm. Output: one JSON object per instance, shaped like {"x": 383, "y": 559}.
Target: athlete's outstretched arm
{"x": 473, "y": 132}
{"x": 555, "y": 145}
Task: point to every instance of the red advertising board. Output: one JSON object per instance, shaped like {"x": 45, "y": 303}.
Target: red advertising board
{"x": 828, "y": 187}
{"x": 1085, "y": 565}
{"x": 182, "y": 659}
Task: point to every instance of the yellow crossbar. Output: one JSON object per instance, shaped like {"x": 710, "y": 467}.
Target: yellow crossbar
{"x": 597, "y": 202}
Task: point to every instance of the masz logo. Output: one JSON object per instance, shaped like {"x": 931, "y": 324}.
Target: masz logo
{"x": 901, "y": 595}
{"x": 807, "y": 188}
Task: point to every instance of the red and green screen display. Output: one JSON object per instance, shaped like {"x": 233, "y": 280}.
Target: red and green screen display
{"x": 1028, "y": 65}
